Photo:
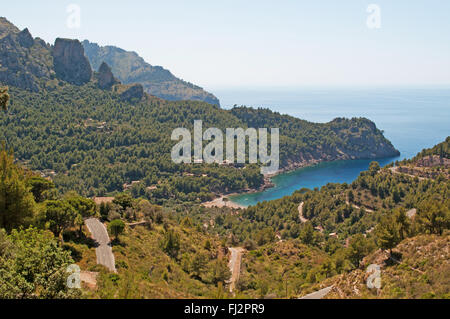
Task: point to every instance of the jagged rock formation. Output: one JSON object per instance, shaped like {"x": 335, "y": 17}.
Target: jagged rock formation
{"x": 129, "y": 67}
{"x": 71, "y": 65}
{"x": 23, "y": 60}
{"x": 32, "y": 64}
{"x": 25, "y": 38}
{"x": 105, "y": 77}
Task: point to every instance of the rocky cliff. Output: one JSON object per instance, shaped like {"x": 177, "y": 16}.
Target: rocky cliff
{"x": 32, "y": 64}
{"x": 28, "y": 63}
{"x": 23, "y": 59}
{"x": 105, "y": 77}
{"x": 71, "y": 65}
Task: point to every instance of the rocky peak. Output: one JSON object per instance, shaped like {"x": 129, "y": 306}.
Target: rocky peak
{"x": 105, "y": 77}
{"x": 7, "y": 27}
{"x": 22, "y": 66}
{"x": 70, "y": 63}
{"x": 25, "y": 38}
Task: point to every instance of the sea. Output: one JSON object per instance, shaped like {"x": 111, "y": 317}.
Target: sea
{"x": 412, "y": 118}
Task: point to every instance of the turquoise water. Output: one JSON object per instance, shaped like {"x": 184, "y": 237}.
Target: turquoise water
{"x": 412, "y": 119}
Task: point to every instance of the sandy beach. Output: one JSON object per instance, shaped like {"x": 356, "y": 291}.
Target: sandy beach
{"x": 219, "y": 202}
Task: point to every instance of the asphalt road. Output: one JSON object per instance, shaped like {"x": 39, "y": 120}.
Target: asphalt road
{"x": 318, "y": 294}
{"x": 104, "y": 252}
{"x": 235, "y": 265}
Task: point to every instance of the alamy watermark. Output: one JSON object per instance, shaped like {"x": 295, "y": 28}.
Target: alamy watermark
{"x": 74, "y": 279}
{"x": 74, "y": 18}
{"x": 374, "y": 280}
{"x": 258, "y": 148}
{"x": 374, "y": 19}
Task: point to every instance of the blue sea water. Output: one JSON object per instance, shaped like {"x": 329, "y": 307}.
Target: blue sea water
{"x": 411, "y": 118}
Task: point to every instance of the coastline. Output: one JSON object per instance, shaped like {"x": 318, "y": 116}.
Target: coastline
{"x": 291, "y": 167}
{"x": 219, "y": 201}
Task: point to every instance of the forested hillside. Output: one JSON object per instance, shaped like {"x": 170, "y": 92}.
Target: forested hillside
{"x": 91, "y": 134}
{"x": 69, "y": 134}
{"x": 382, "y": 217}
{"x": 292, "y": 248}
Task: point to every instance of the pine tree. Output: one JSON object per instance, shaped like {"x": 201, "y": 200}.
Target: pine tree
{"x": 388, "y": 233}
{"x": 4, "y": 98}
{"x": 116, "y": 227}
{"x": 16, "y": 201}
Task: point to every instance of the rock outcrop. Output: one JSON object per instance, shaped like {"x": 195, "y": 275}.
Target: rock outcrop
{"x": 25, "y": 39}
{"x": 70, "y": 63}
{"x": 129, "y": 68}
{"x": 24, "y": 61}
{"x": 105, "y": 77}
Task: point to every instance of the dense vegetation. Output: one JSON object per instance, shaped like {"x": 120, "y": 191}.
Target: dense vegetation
{"x": 418, "y": 270}
{"x": 95, "y": 150}
{"x": 4, "y": 98}
{"x": 335, "y": 208}
{"x": 90, "y": 141}
{"x": 42, "y": 233}
{"x": 96, "y": 141}
{"x": 305, "y": 142}
{"x": 286, "y": 257}
{"x": 341, "y": 224}
{"x": 86, "y": 141}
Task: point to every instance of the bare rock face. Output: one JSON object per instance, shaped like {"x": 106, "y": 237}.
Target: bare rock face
{"x": 24, "y": 61}
{"x": 25, "y": 39}
{"x": 130, "y": 68}
{"x": 70, "y": 63}
{"x": 105, "y": 77}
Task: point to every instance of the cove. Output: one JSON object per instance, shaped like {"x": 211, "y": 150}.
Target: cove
{"x": 412, "y": 118}
{"x": 309, "y": 177}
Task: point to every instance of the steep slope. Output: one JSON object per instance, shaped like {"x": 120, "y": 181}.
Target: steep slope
{"x": 409, "y": 215}
{"x": 304, "y": 143}
{"x": 145, "y": 269}
{"x": 70, "y": 63}
{"x": 420, "y": 268}
{"x": 7, "y": 27}
{"x": 429, "y": 163}
{"x": 24, "y": 61}
{"x": 129, "y": 67}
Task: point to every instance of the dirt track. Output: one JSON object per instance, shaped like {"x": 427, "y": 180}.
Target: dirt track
{"x": 300, "y": 213}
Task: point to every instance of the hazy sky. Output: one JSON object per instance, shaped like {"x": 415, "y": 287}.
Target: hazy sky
{"x": 227, "y": 43}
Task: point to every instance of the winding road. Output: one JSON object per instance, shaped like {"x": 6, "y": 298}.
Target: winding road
{"x": 103, "y": 251}
{"x": 318, "y": 294}
{"x": 235, "y": 266}
{"x": 395, "y": 171}
{"x": 359, "y": 208}
{"x": 300, "y": 213}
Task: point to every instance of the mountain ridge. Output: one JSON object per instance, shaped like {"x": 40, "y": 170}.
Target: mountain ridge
{"x": 129, "y": 67}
